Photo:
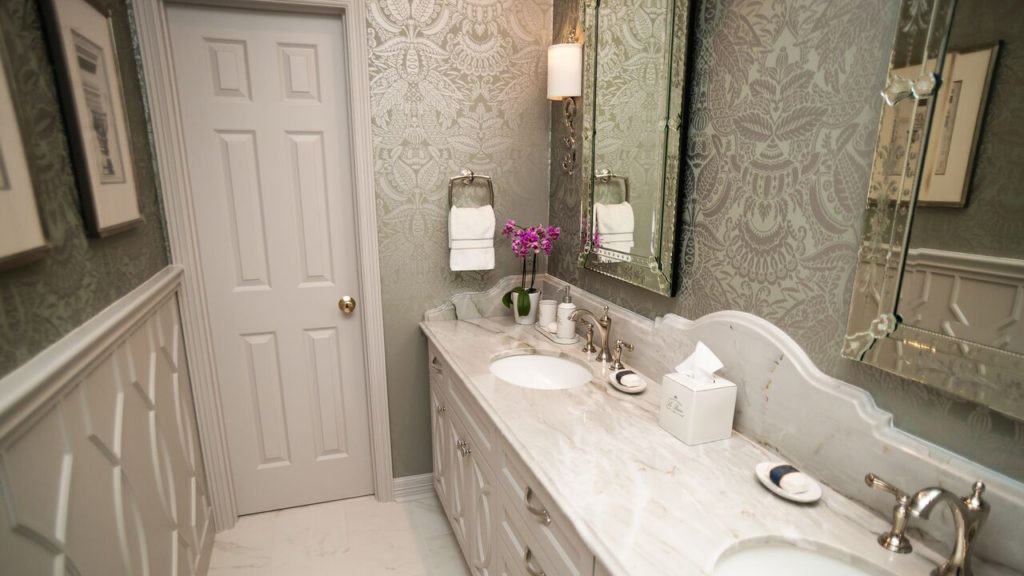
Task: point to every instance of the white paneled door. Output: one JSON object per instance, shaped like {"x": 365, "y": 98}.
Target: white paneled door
{"x": 265, "y": 111}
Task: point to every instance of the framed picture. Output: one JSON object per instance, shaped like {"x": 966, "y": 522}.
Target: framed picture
{"x": 959, "y": 110}
{"x": 90, "y": 86}
{"x": 902, "y": 135}
{"x": 21, "y": 232}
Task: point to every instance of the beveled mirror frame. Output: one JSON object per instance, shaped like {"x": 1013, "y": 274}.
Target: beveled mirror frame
{"x": 876, "y": 334}
{"x": 657, "y": 272}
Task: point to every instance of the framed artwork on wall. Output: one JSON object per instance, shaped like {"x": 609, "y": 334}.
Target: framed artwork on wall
{"x": 21, "y": 232}
{"x": 902, "y": 134}
{"x": 84, "y": 51}
{"x": 960, "y": 108}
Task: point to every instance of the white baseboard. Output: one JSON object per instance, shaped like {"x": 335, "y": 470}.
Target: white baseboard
{"x": 412, "y": 487}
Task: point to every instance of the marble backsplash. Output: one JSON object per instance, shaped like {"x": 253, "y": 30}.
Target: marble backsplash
{"x": 829, "y": 428}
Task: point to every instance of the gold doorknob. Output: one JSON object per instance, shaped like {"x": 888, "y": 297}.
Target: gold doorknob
{"x": 347, "y": 304}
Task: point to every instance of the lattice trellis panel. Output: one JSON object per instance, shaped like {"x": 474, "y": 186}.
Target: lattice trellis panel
{"x": 109, "y": 480}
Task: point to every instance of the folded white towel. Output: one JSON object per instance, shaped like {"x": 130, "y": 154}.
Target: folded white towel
{"x": 626, "y": 247}
{"x": 618, "y": 242}
{"x": 615, "y": 223}
{"x": 471, "y": 238}
{"x": 620, "y": 237}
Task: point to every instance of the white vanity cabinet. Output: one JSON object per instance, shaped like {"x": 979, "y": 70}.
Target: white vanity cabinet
{"x": 505, "y": 522}
{"x": 463, "y": 478}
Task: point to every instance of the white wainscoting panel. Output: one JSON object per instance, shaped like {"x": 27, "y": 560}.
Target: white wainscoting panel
{"x": 101, "y": 472}
{"x": 969, "y": 296}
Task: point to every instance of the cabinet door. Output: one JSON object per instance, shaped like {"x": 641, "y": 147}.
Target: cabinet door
{"x": 458, "y": 501}
{"x": 480, "y": 487}
{"x": 510, "y": 564}
{"x": 441, "y": 442}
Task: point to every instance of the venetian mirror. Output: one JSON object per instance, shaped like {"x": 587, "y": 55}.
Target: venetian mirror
{"x": 633, "y": 81}
{"x": 939, "y": 287}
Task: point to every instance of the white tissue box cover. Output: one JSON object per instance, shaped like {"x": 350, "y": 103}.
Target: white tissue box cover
{"x": 697, "y": 412}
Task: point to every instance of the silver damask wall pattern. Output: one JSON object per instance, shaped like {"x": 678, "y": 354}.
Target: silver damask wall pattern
{"x": 454, "y": 84}
{"x": 43, "y": 301}
{"x": 783, "y": 117}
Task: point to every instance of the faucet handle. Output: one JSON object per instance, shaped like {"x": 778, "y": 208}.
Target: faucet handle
{"x": 877, "y": 483}
{"x": 617, "y": 354}
{"x": 589, "y": 347}
{"x": 894, "y": 540}
{"x": 975, "y": 501}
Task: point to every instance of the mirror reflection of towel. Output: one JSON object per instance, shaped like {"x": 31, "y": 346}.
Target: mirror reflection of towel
{"x": 615, "y": 224}
{"x": 471, "y": 238}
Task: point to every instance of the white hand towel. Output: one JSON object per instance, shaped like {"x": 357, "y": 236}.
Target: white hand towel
{"x": 620, "y": 242}
{"x": 471, "y": 238}
{"x": 615, "y": 223}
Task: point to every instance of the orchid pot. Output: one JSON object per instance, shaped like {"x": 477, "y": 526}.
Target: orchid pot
{"x": 527, "y": 244}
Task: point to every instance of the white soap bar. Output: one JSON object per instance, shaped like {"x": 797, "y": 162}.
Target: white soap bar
{"x": 795, "y": 483}
{"x": 630, "y": 380}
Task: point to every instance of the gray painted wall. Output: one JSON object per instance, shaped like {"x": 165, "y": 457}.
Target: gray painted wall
{"x": 43, "y": 301}
{"x": 783, "y": 118}
{"x": 992, "y": 222}
{"x": 454, "y": 85}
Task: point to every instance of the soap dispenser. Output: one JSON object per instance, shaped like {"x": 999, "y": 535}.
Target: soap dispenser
{"x": 566, "y": 326}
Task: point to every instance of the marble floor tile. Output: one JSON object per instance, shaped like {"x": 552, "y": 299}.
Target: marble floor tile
{"x": 357, "y": 537}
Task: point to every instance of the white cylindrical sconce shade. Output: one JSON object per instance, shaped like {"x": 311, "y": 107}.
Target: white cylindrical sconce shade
{"x": 565, "y": 71}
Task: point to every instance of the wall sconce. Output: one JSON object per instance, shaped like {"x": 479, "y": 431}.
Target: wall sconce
{"x": 565, "y": 83}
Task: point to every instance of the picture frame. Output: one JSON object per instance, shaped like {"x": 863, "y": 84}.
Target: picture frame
{"x": 22, "y": 238}
{"x": 902, "y": 132}
{"x": 89, "y": 81}
{"x": 960, "y": 108}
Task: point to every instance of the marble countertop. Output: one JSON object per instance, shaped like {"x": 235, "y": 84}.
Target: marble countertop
{"x": 644, "y": 502}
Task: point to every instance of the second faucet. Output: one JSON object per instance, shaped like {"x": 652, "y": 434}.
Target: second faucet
{"x": 603, "y": 325}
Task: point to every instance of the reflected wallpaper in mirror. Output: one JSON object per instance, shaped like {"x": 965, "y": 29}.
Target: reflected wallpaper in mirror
{"x": 633, "y": 125}
{"x": 630, "y": 131}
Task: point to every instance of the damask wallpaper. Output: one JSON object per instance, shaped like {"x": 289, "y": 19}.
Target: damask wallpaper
{"x": 783, "y": 115}
{"x": 43, "y": 301}
{"x": 454, "y": 84}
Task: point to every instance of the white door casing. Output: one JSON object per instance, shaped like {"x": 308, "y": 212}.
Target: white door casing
{"x": 179, "y": 212}
{"x": 264, "y": 108}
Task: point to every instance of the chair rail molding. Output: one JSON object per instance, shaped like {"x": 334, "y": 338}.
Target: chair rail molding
{"x": 39, "y": 383}
{"x": 153, "y": 38}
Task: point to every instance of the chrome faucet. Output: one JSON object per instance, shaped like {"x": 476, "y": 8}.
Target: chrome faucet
{"x": 969, "y": 514}
{"x": 604, "y": 327}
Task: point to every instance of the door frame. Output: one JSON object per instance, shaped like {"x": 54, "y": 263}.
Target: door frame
{"x": 160, "y": 89}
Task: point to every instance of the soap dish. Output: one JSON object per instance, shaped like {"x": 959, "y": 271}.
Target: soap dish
{"x": 556, "y": 339}
{"x": 620, "y": 380}
{"x": 787, "y": 482}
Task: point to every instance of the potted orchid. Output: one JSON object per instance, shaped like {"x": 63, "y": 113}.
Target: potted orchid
{"x": 527, "y": 243}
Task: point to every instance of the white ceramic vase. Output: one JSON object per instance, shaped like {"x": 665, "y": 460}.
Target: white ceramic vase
{"x": 531, "y": 316}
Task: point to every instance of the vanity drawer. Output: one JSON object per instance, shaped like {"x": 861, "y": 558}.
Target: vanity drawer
{"x": 479, "y": 425}
{"x": 557, "y": 542}
{"x": 517, "y": 554}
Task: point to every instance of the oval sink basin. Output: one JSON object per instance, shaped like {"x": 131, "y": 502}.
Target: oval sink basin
{"x": 541, "y": 371}
{"x": 778, "y": 558}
